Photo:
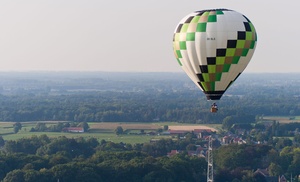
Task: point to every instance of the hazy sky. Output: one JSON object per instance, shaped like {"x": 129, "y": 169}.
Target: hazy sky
{"x": 132, "y": 35}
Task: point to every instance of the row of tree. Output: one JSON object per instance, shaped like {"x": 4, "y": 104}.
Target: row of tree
{"x": 45, "y": 159}
{"x": 52, "y": 159}
{"x": 141, "y": 97}
{"x": 187, "y": 106}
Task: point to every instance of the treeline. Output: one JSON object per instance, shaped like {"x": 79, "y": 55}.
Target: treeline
{"x": 239, "y": 162}
{"x": 77, "y": 159}
{"x": 186, "y": 106}
{"x": 105, "y": 97}
{"x": 62, "y": 159}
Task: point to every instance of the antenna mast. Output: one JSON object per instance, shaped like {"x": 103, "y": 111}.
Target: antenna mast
{"x": 210, "y": 168}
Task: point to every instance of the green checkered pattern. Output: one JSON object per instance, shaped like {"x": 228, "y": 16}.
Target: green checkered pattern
{"x": 211, "y": 73}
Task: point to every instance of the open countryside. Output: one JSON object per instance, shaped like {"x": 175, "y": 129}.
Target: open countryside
{"x": 158, "y": 126}
{"x": 282, "y": 119}
{"x": 104, "y": 131}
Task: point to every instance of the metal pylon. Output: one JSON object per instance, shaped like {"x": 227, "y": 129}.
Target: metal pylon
{"x": 210, "y": 168}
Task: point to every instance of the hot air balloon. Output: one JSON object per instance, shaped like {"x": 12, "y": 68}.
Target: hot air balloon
{"x": 213, "y": 47}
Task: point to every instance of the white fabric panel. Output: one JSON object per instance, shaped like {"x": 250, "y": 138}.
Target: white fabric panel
{"x": 200, "y": 44}
{"x": 221, "y": 39}
{"x": 186, "y": 62}
{"x": 231, "y": 35}
{"x": 187, "y": 67}
{"x": 192, "y": 54}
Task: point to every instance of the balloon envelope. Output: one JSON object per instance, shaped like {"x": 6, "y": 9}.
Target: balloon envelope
{"x": 213, "y": 47}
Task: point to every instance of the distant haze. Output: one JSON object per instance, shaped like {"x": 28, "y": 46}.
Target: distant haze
{"x": 132, "y": 35}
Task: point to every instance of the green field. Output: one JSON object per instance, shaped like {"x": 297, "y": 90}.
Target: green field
{"x": 282, "y": 119}
{"x": 100, "y": 136}
{"x": 100, "y": 131}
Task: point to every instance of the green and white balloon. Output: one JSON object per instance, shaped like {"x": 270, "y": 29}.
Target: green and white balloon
{"x": 214, "y": 47}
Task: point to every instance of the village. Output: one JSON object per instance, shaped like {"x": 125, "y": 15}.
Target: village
{"x": 267, "y": 133}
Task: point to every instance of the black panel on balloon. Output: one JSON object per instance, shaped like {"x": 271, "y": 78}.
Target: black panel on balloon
{"x": 204, "y": 69}
{"x": 211, "y": 60}
{"x": 231, "y": 44}
{"x": 247, "y": 27}
{"x": 221, "y": 52}
{"x": 200, "y": 85}
{"x": 241, "y": 35}
{"x": 179, "y": 28}
{"x": 189, "y": 19}
{"x": 200, "y": 77}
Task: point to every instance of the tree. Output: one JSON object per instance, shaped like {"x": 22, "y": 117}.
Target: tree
{"x": 17, "y": 126}
{"x": 191, "y": 147}
{"x": 233, "y": 156}
{"x": 295, "y": 164}
{"x": 119, "y": 130}
{"x": 15, "y": 175}
{"x": 11, "y": 146}
{"x": 159, "y": 130}
{"x": 275, "y": 169}
{"x": 32, "y": 176}
{"x": 2, "y": 142}
{"x": 283, "y": 142}
{"x": 16, "y": 129}
{"x": 84, "y": 125}
{"x": 297, "y": 138}
{"x": 227, "y": 122}
{"x": 40, "y": 127}
{"x": 166, "y": 127}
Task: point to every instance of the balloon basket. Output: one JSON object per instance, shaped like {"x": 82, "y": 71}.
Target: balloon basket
{"x": 213, "y": 110}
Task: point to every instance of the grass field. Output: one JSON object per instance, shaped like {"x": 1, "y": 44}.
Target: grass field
{"x": 102, "y": 130}
{"x": 282, "y": 119}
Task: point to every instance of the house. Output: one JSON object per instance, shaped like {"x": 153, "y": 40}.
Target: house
{"x": 238, "y": 140}
{"x": 226, "y": 139}
{"x": 282, "y": 179}
{"x": 232, "y": 139}
{"x": 178, "y": 132}
{"x": 173, "y": 152}
{"x": 201, "y": 133}
{"x": 73, "y": 129}
{"x": 199, "y": 152}
{"x": 265, "y": 173}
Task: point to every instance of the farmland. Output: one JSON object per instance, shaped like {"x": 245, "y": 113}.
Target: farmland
{"x": 282, "y": 119}
{"x": 103, "y": 131}
{"x": 106, "y": 130}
